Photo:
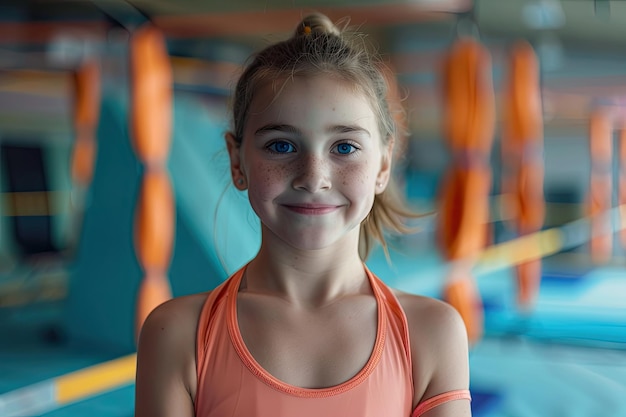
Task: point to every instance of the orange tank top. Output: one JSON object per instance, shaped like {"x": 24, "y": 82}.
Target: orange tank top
{"x": 232, "y": 384}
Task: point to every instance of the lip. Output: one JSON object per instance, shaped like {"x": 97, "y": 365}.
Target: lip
{"x": 311, "y": 209}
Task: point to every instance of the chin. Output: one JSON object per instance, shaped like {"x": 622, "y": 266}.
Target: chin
{"x": 320, "y": 242}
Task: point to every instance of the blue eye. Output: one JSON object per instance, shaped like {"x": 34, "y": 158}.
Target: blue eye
{"x": 281, "y": 147}
{"x": 345, "y": 149}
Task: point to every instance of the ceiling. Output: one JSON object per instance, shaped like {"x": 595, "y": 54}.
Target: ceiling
{"x": 581, "y": 44}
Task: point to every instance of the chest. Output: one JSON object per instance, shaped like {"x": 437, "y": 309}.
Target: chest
{"x": 309, "y": 348}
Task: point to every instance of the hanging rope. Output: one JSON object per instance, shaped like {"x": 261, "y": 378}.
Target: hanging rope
{"x": 522, "y": 151}
{"x": 600, "y": 184}
{"x": 151, "y": 109}
{"x": 86, "y": 113}
{"x": 464, "y": 204}
{"x": 622, "y": 180}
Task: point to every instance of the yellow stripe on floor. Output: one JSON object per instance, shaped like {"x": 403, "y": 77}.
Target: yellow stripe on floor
{"x": 95, "y": 379}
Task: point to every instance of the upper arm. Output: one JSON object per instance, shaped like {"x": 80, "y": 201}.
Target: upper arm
{"x": 439, "y": 350}
{"x": 165, "y": 358}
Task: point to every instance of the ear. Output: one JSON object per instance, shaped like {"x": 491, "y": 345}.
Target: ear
{"x": 382, "y": 179}
{"x": 236, "y": 170}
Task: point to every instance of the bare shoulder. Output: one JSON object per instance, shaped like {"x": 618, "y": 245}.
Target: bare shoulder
{"x": 431, "y": 317}
{"x": 170, "y": 330}
{"x": 166, "y": 369}
{"x": 175, "y": 317}
{"x": 439, "y": 345}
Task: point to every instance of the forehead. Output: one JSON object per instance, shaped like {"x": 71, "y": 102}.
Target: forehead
{"x": 309, "y": 100}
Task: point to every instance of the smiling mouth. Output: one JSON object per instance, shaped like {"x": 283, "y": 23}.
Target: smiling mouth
{"x": 311, "y": 209}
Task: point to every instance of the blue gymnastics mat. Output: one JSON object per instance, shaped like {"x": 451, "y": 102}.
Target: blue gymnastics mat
{"x": 576, "y": 303}
{"x": 588, "y": 308}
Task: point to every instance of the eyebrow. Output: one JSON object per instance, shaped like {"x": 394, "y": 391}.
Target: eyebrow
{"x": 277, "y": 127}
{"x": 349, "y": 129}
{"x": 292, "y": 129}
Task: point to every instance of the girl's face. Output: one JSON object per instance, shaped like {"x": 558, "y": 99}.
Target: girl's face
{"x": 312, "y": 159}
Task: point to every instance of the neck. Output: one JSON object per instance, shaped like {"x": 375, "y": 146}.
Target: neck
{"x": 307, "y": 277}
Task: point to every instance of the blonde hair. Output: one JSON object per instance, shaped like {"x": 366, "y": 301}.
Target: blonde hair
{"x": 319, "y": 46}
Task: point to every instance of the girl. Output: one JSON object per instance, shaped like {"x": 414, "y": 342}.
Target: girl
{"x": 305, "y": 329}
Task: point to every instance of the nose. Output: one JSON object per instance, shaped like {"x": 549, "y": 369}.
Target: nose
{"x": 313, "y": 174}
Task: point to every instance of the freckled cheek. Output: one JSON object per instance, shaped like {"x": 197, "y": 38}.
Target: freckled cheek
{"x": 267, "y": 180}
{"x": 357, "y": 176}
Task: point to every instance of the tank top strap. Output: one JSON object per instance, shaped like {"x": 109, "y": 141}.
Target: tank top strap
{"x": 217, "y": 296}
{"x": 395, "y": 313}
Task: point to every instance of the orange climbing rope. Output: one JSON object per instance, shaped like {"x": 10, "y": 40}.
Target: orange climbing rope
{"x": 86, "y": 113}
{"x": 622, "y": 179}
{"x": 151, "y": 109}
{"x": 464, "y": 204}
{"x": 522, "y": 151}
{"x": 600, "y": 184}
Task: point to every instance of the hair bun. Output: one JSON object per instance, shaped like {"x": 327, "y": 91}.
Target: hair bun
{"x": 317, "y": 23}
